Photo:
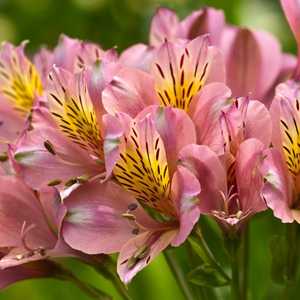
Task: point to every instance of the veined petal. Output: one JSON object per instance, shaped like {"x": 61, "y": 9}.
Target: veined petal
{"x": 19, "y": 80}
{"x": 181, "y": 70}
{"x": 138, "y": 252}
{"x": 143, "y": 169}
{"x": 73, "y": 109}
{"x": 171, "y": 123}
{"x": 290, "y": 134}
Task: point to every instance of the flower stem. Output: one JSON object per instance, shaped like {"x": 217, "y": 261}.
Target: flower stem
{"x": 178, "y": 274}
{"x": 106, "y": 267}
{"x": 208, "y": 253}
{"x": 233, "y": 248}
{"x": 64, "y": 274}
{"x": 245, "y": 259}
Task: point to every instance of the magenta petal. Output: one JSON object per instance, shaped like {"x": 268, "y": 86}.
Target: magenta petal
{"x": 94, "y": 222}
{"x": 153, "y": 241}
{"x": 163, "y": 26}
{"x": 185, "y": 191}
{"x": 207, "y": 167}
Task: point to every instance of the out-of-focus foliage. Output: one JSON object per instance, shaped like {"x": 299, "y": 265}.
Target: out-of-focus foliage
{"x": 121, "y": 23}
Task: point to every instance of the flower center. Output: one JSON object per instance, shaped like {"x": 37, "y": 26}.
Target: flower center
{"x": 181, "y": 78}
{"x": 143, "y": 170}
{"x": 20, "y": 82}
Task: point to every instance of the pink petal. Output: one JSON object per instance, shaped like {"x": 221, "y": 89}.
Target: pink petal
{"x": 171, "y": 123}
{"x": 153, "y": 243}
{"x": 207, "y": 20}
{"x": 277, "y": 188}
{"x": 248, "y": 176}
{"x": 138, "y": 56}
{"x": 185, "y": 191}
{"x": 209, "y": 103}
{"x": 127, "y": 93}
{"x": 163, "y": 26}
{"x": 250, "y": 67}
{"x": 208, "y": 169}
{"x": 291, "y": 10}
{"x": 94, "y": 222}
{"x": 38, "y": 166}
{"x": 181, "y": 69}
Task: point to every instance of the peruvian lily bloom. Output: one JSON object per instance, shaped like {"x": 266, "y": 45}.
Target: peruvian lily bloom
{"x": 225, "y": 178}
{"x": 281, "y": 166}
{"x": 187, "y": 76}
{"x": 282, "y": 163}
{"x": 165, "y": 25}
{"x": 30, "y": 223}
{"x": 64, "y": 144}
{"x": 152, "y": 207}
{"x": 230, "y": 194}
{"x": 20, "y": 87}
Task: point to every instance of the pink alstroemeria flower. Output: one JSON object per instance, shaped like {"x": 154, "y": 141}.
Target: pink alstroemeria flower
{"x": 282, "y": 163}
{"x": 281, "y": 166}
{"x": 232, "y": 194}
{"x": 64, "y": 144}
{"x": 149, "y": 181}
{"x": 165, "y": 25}
{"x": 249, "y": 67}
{"x": 20, "y": 84}
{"x": 30, "y": 224}
{"x": 231, "y": 182}
{"x": 188, "y": 76}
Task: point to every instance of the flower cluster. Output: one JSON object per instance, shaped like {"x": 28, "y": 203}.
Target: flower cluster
{"x": 104, "y": 153}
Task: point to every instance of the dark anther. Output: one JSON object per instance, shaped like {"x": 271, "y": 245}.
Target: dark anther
{"x": 132, "y": 206}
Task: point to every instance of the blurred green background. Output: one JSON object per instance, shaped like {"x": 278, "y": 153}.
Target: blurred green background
{"x": 122, "y": 23}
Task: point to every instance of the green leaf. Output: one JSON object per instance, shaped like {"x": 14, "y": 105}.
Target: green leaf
{"x": 207, "y": 275}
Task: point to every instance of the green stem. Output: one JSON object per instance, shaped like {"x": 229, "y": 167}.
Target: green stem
{"x": 64, "y": 274}
{"x": 245, "y": 259}
{"x": 208, "y": 253}
{"x": 106, "y": 267}
{"x": 178, "y": 274}
{"x": 233, "y": 247}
